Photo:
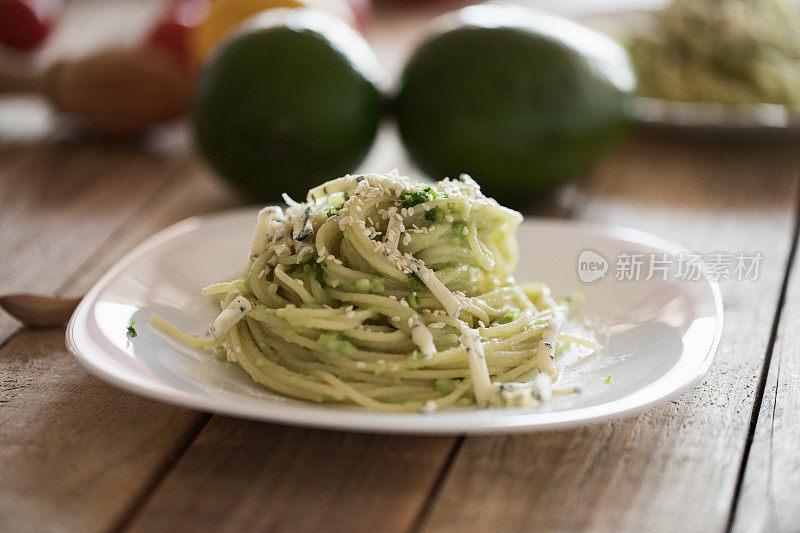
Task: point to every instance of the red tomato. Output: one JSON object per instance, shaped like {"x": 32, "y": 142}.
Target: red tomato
{"x": 24, "y": 24}
{"x": 171, "y": 31}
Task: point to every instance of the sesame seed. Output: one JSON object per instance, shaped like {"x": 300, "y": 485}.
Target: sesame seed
{"x": 449, "y": 219}
{"x": 361, "y": 364}
{"x": 464, "y": 230}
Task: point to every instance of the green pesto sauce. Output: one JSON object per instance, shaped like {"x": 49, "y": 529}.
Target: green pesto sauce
{"x": 333, "y": 342}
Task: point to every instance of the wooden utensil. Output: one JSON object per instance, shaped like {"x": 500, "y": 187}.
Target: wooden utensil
{"x": 119, "y": 92}
{"x": 38, "y": 311}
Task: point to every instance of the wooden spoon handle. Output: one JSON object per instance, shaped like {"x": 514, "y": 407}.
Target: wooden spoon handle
{"x": 15, "y": 82}
{"x": 38, "y": 311}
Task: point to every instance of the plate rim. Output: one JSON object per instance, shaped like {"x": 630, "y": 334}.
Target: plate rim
{"x": 363, "y": 420}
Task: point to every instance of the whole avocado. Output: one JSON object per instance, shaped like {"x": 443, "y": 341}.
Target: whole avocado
{"x": 288, "y": 101}
{"x": 521, "y": 101}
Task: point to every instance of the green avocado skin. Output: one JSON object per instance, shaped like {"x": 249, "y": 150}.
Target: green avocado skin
{"x": 281, "y": 109}
{"x": 521, "y": 112}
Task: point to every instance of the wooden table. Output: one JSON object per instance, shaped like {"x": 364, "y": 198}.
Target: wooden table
{"x": 79, "y": 455}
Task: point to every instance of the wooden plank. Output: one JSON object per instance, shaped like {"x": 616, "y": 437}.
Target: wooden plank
{"x": 58, "y": 202}
{"x": 74, "y": 451}
{"x": 240, "y": 475}
{"x": 675, "y": 467}
{"x": 768, "y": 500}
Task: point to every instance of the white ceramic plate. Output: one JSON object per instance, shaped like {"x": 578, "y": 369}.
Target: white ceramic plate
{"x": 717, "y": 118}
{"x": 661, "y": 335}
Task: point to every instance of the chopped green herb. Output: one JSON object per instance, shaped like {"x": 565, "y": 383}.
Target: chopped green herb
{"x": 414, "y": 198}
{"x": 319, "y": 274}
{"x": 131, "y": 330}
{"x": 410, "y": 199}
{"x": 607, "y": 381}
{"x": 362, "y": 285}
{"x": 445, "y": 385}
{"x": 432, "y": 215}
{"x": 458, "y": 230}
{"x": 413, "y": 301}
{"x": 431, "y": 192}
{"x": 451, "y": 205}
{"x": 414, "y": 279}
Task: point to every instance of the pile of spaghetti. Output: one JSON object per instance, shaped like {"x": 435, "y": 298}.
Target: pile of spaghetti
{"x": 392, "y": 295}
